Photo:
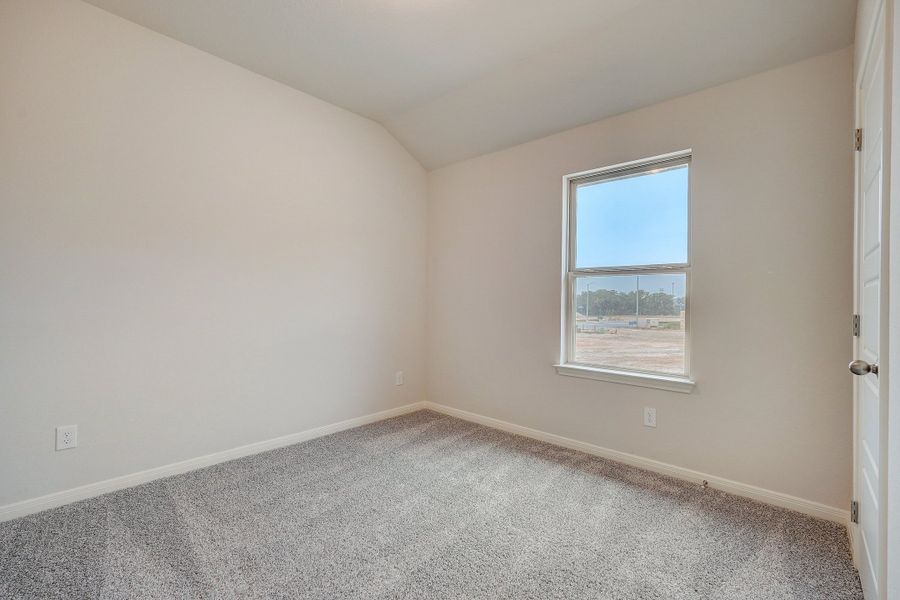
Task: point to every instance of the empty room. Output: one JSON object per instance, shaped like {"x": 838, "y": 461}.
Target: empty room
{"x": 463, "y": 299}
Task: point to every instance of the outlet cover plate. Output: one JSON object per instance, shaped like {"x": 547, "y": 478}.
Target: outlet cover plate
{"x": 66, "y": 437}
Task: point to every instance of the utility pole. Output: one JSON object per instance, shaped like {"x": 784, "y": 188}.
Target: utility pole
{"x": 637, "y": 296}
{"x": 587, "y": 307}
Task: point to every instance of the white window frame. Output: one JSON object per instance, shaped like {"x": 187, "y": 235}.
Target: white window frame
{"x": 567, "y": 366}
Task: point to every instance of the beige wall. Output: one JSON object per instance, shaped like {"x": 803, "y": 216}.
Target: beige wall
{"x": 192, "y": 257}
{"x": 772, "y": 213}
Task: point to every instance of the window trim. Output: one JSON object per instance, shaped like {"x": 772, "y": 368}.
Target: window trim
{"x": 655, "y": 379}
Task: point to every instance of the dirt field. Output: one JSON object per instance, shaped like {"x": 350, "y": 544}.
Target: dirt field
{"x": 645, "y": 349}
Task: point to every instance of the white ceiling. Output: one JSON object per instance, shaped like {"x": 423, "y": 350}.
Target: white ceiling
{"x": 452, "y": 79}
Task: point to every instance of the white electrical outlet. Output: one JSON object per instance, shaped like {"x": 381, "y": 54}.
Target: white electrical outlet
{"x": 398, "y": 378}
{"x": 649, "y": 417}
{"x": 66, "y": 437}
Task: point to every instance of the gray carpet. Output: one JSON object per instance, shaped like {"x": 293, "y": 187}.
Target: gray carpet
{"x": 423, "y": 506}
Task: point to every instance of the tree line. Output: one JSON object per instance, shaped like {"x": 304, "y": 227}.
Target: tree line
{"x": 611, "y": 302}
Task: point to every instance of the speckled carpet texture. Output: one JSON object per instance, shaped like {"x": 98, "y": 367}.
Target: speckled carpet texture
{"x": 423, "y": 506}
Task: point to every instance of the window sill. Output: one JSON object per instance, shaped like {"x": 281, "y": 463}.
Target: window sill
{"x": 660, "y": 382}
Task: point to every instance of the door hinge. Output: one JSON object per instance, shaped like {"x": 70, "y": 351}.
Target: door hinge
{"x": 854, "y": 512}
{"x": 857, "y": 140}
{"x": 855, "y": 325}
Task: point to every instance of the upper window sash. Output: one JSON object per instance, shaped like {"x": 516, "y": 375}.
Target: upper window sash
{"x": 619, "y": 172}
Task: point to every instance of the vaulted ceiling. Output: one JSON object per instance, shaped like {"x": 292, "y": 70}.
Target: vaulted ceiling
{"x": 452, "y": 79}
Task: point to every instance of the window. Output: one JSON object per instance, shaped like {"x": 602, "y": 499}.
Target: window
{"x": 627, "y": 273}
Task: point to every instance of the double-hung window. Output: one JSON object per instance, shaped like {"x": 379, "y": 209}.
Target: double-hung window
{"x": 627, "y": 273}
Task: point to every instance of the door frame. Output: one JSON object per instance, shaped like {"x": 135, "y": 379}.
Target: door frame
{"x": 891, "y": 323}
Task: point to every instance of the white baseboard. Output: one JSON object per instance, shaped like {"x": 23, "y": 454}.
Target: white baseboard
{"x": 808, "y": 507}
{"x": 33, "y": 505}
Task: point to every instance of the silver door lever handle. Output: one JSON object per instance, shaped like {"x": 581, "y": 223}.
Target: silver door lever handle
{"x": 861, "y": 367}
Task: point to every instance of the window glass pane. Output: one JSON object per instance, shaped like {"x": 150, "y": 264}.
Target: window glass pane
{"x": 633, "y": 322}
{"x": 633, "y": 220}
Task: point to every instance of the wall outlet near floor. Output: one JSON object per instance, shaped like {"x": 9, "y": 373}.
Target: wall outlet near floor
{"x": 398, "y": 378}
{"x": 66, "y": 437}
{"x": 649, "y": 417}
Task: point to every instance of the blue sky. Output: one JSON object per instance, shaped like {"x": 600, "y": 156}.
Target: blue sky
{"x": 633, "y": 221}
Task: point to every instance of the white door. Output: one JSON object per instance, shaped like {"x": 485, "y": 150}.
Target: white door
{"x": 869, "y": 459}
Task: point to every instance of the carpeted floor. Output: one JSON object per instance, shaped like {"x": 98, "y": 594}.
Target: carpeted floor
{"x": 423, "y": 506}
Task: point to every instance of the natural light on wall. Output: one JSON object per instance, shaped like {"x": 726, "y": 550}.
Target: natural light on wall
{"x": 628, "y": 268}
